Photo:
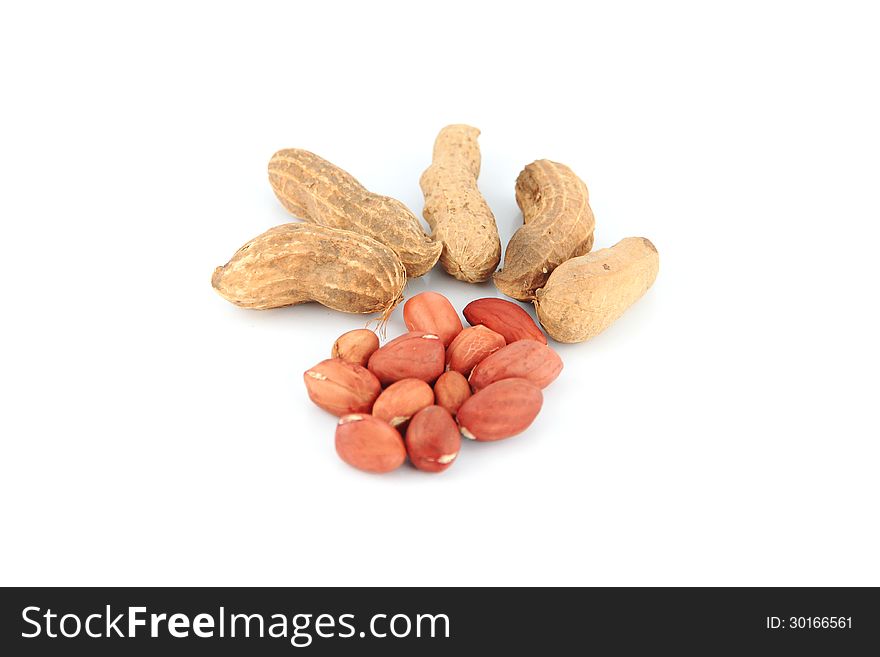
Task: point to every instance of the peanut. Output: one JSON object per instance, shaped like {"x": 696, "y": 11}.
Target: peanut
{"x": 451, "y": 390}
{"x": 504, "y": 317}
{"x": 355, "y": 346}
{"x": 557, "y": 225}
{"x": 524, "y": 359}
{"x": 319, "y": 192}
{"x": 432, "y": 439}
{"x": 500, "y": 410}
{"x": 401, "y": 400}
{"x": 296, "y": 263}
{"x": 341, "y": 388}
{"x": 367, "y": 443}
{"x": 470, "y": 347}
{"x": 413, "y": 355}
{"x": 456, "y": 211}
{"x": 585, "y": 295}
{"x": 432, "y": 313}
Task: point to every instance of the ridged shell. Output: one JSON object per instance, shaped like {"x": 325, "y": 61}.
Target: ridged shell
{"x": 557, "y": 225}
{"x": 297, "y": 263}
{"x": 319, "y": 192}
{"x": 456, "y": 211}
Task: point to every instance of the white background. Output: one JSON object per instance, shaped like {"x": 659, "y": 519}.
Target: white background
{"x": 723, "y": 432}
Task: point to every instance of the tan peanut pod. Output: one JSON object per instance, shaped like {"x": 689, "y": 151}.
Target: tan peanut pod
{"x": 455, "y": 210}
{"x": 295, "y": 263}
{"x": 557, "y": 225}
{"x": 320, "y": 192}
{"x": 586, "y": 294}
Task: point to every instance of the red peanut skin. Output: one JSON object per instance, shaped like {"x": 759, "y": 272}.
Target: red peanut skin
{"x": 432, "y": 313}
{"x": 500, "y": 410}
{"x": 401, "y": 400}
{"x": 355, "y": 346}
{"x": 451, "y": 391}
{"x": 369, "y": 444}
{"x": 526, "y": 359}
{"x": 470, "y": 347}
{"x": 413, "y": 355}
{"x": 346, "y": 388}
{"x": 411, "y": 335}
{"x": 504, "y": 317}
{"x": 432, "y": 439}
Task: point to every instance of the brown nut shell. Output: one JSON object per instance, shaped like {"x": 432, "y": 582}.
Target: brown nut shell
{"x": 585, "y": 295}
{"x": 318, "y": 191}
{"x": 456, "y": 211}
{"x": 557, "y": 225}
{"x": 297, "y": 263}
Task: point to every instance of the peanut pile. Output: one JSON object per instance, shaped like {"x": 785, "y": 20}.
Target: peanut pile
{"x": 354, "y": 251}
{"x": 420, "y": 392}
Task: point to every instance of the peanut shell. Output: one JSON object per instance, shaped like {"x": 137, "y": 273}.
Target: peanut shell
{"x": 557, "y": 225}
{"x": 296, "y": 263}
{"x": 315, "y": 190}
{"x": 456, "y": 211}
{"x": 585, "y": 295}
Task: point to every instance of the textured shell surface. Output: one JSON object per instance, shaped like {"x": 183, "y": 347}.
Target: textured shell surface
{"x": 315, "y": 190}
{"x": 299, "y": 262}
{"x": 456, "y": 211}
{"x": 585, "y": 295}
{"x": 558, "y": 224}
